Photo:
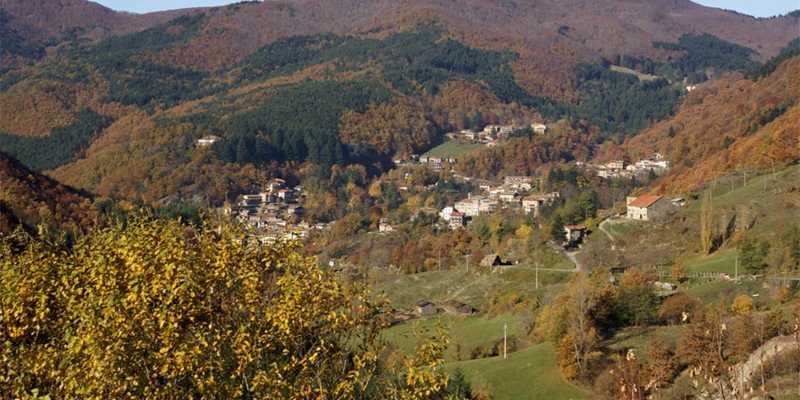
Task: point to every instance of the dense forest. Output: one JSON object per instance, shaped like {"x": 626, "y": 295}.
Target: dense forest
{"x": 58, "y": 148}
{"x": 698, "y": 57}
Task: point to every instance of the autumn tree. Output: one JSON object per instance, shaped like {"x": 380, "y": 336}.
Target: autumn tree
{"x": 678, "y": 271}
{"x": 661, "y": 367}
{"x": 704, "y": 348}
{"x": 706, "y": 223}
{"x": 159, "y": 309}
{"x": 573, "y": 329}
{"x": 680, "y": 308}
{"x": 742, "y": 304}
{"x": 744, "y": 337}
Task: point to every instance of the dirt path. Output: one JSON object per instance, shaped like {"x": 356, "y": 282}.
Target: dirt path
{"x": 460, "y": 290}
{"x": 573, "y": 256}
{"x": 603, "y": 228}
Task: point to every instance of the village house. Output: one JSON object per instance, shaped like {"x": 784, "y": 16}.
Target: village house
{"x": 532, "y": 205}
{"x": 384, "y": 227}
{"x": 251, "y": 200}
{"x": 285, "y": 194}
{"x": 457, "y": 220}
{"x": 425, "y": 308}
{"x": 508, "y": 196}
{"x": 208, "y": 140}
{"x": 539, "y": 129}
{"x": 647, "y": 207}
{"x": 276, "y": 184}
{"x": 445, "y": 213}
{"x": 574, "y": 233}
{"x": 492, "y": 260}
{"x": 458, "y": 308}
{"x": 475, "y": 205}
{"x": 616, "y": 165}
{"x": 435, "y": 163}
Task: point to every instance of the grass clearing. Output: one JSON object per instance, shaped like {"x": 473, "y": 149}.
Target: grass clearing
{"x": 723, "y": 261}
{"x": 641, "y": 76}
{"x": 764, "y": 195}
{"x": 722, "y": 292}
{"x": 453, "y": 148}
{"x": 617, "y": 228}
{"x": 529, "y": 374}
{"x": 468, "y": 332}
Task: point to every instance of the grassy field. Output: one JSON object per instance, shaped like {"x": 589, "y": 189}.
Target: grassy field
{"x": 473, "y": 288}
{"x": 438, "y": 286}
{"x": 453, "y": 148}
{"x": 723, "y": 292}
{"x": 641, "y": 76}
{"x": 467, "y": 332}
{"x": 722, "y": 261}
{"x": 529, "y": 374}
{"x": 618, "y": 228}
{"x": 770, "y": 207}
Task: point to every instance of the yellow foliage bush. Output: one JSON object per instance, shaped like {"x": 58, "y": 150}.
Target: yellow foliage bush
{"x": 160, "y": 310}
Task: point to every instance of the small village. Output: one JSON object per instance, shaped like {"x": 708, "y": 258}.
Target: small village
{"x": 622, "y": 169}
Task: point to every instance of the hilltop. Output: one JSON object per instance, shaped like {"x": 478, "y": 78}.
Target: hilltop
{"x": 32, "y": 30}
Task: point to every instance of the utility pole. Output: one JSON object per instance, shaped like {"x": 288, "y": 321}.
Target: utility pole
{"x": 467, "y": 256}
{"x": 505, "y": 340}
{"x": 440, "y": 260}
{"x": 537, "y": 274}
{"x": 736, "y": 266}
{"x": 744, "y": 174}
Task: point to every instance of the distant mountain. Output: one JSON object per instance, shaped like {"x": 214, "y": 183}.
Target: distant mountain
{"x": 33, "y": 28}
{"x": 341, "y": 82}
{"x": 30, "y": 199}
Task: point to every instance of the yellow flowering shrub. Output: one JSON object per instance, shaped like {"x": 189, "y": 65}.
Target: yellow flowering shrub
{"x": 160, "y": 310}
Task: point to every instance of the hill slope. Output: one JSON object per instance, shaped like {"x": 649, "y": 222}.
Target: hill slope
{"x": 727, "y": 125}
{"x": 31, "y": 29}
{"x": 367, "y": 80}
{"x": 29, "y": 198}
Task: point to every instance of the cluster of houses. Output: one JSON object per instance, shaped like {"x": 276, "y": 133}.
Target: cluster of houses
{"x": 492, "y": 134}
{"x": 274, "y": 213}
{"x": 622, "y": 169}
{"x": 433, "y": 162}
{"x": 508, "y": 195}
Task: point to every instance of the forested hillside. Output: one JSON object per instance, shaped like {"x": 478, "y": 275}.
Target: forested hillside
{"x": 32, "y": 30}
{"x": 282, "y": 87}
{"x": 730, "y": 124}
{"x": 30, "y": 199}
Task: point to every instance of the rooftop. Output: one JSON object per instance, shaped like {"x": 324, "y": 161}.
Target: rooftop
{"x": 645, "y": 201}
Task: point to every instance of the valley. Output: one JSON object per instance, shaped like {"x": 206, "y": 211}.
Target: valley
{"x": 466, "y": 200}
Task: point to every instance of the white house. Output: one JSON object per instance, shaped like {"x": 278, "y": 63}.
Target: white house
{"x": 532, "y": 205}
{"x": 207, "y": 140}
{"x": 445, "y": 213}
{"x": 457, "y": 219}
{"x": 539, "y": 129}
{"x": 574, "y": 233}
